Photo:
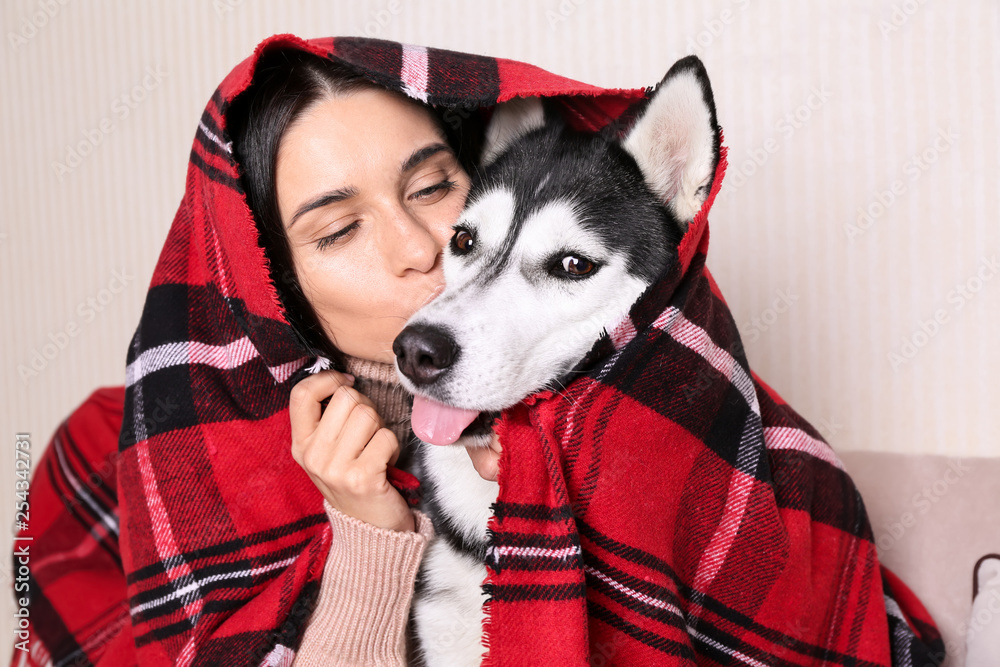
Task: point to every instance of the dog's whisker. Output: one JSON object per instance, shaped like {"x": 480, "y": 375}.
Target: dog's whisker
{"x": 572, "y": 402}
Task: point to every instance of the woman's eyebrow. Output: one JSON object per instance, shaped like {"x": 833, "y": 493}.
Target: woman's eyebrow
{"x": 333, "y": 196}
{"x": 422, "y": 154}
{"x": 323, "y": 200}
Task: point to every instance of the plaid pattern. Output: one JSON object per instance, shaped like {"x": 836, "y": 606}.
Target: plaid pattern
{"x": 204, "y": 542}
{"x": 668, "y": 508}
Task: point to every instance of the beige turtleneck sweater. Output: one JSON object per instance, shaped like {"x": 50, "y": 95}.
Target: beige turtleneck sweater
{"x": 364, "y": 600}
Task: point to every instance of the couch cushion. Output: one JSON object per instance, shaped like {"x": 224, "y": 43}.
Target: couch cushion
{"x": 933, "y": 517}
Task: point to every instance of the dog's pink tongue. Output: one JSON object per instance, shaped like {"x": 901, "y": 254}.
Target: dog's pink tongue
{"x": 437, "y": 423}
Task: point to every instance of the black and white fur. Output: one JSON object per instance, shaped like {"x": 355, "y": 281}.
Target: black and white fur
{"x": 516, "y": 316}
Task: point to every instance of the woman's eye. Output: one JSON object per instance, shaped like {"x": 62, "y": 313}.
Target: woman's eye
{"x": 445, "y": 186}
{"x": 327, "y": 241}
{"x": 462, "y": 241}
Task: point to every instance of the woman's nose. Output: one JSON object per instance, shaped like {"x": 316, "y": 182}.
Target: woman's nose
{"x": 410, "y": 243}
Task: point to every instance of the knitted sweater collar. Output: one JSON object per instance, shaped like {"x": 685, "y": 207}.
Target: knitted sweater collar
{"x": 379, "y": 382}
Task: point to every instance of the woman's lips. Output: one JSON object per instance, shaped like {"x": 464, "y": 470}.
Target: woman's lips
{"x": 433, "y": 295}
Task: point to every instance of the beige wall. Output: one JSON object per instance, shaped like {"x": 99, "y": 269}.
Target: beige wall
{"x": 826, "y": 108}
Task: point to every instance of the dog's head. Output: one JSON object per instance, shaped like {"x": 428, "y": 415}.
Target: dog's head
{"x": 561, "y": 233}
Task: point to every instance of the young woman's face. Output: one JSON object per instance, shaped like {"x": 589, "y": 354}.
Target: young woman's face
{"x": 364, "y": 196}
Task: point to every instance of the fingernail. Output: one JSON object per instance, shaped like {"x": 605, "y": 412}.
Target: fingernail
{"x": 349, "y": 377}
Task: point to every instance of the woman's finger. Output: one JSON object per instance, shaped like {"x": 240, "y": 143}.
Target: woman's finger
{"x": 390, "y": 452}
{"x": 486, "y": 460}
{"x": 350, "y": 420}
{"x": 382, "y": 448}
{"x": 304, "y": 409}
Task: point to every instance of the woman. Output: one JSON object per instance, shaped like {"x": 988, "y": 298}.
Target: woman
{"x": 312, "y": 122}
{"x": 214, "y": 513}
{"x": 363, "y": 260}
{"x": 227, "y": 477}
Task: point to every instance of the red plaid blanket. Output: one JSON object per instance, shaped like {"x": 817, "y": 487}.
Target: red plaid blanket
{"x": 668, "y": 508}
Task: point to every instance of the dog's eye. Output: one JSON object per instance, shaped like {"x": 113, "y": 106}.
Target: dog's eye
{"x": 462, "y": 241}
{"x": 577, "y": 266}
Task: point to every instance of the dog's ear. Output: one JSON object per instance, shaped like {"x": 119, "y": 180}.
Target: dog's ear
{"x": 676, "y": 139}
{"x": 510, "y": 120}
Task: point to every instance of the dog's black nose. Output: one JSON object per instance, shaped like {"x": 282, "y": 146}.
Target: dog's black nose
{"x": 424, "y": 352}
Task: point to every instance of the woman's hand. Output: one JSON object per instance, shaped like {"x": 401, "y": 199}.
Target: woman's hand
{"x": 346, "y": 450}
{"x": 486, "y": 459}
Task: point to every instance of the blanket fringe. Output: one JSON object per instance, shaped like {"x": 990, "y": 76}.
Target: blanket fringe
{"x": 488, "y": 586}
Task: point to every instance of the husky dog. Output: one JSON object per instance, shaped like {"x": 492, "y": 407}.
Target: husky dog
{"x": 562, "y": 232}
